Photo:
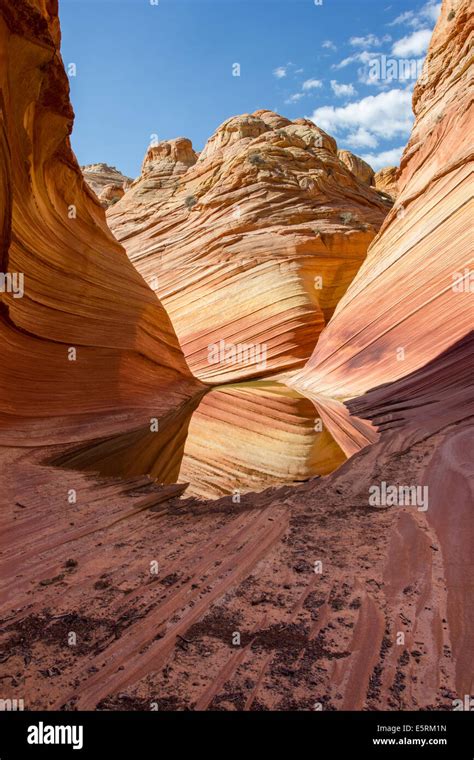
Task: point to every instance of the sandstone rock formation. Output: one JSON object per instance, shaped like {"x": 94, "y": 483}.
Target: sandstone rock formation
{"x": 273, "y": 436}
{"x": 84, "y": 336}
{"x": 331, "y": 638}
{"x": 107, "y": 182}
{"x": 250, "y": 244}
{"x": 412, "y": 297}
{"x": 357, "y": 166}
{"x": 386, "y": 180}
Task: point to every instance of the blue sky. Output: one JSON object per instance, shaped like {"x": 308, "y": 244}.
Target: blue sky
{"x": 167, "y": 69}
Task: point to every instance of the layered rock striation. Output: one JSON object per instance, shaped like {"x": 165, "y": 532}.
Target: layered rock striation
{"x": 251, "y": 244}
{"x": 82, "y": 334}
{"x": 235, "y": 439}
{"x": 412, "y": 297}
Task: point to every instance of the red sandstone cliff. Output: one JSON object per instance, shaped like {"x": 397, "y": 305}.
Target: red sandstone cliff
{"x": 80, "y": 291}
{"x": 412, "y": 297}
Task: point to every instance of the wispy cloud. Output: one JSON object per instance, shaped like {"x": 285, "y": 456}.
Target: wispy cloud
{"x": 312, "y": 84}
{"x": 404, "y": 18}
{"x": 294, "y": 98}
{"x": 370, "y": 40}
{"x": 342, "y": 90}
{"x": 280, "y": 72}
{"x": 426, "y": 15}
{"x": 363, "y": 57}
{"x": 329, "y": 45}
{"x": 306, "y": 90}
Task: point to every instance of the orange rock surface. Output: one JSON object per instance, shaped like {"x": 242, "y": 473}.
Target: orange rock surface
{"x": 84, "y": 335}
{"x": 386, "y": 180}
{"x": 357, "y": 166}
{"x": 251, "y": 243}
{"x": 273, "y": 441}
{"x": 437, "y": 397}
{"x": 412, "y": 297}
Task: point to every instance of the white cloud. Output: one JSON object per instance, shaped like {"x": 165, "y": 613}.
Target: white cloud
{"x": 280, "y": 72}
{"x": 403, "y": 18}
{"x": 363, "y": 57}
{"x": 385, "y": 115}
{"x": 428, "y": 14}
{"x": 385, "y": 71}
{"x": 371, "y": 40}
{"x": 431, "y": 11}
{"x": 362, "y": 139}
{"x": 385, "y": 158}
{"x": 306, "y": 88}
{"x": 294, "y": 98}
{"x": 342, "y": 90}
{"x": 312, "y": 84}
{"x": 413, "y": 44}
{"x": 329, "y": 45}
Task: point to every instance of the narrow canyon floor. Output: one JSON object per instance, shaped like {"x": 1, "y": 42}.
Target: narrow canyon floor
{"x": 297, "y": 598}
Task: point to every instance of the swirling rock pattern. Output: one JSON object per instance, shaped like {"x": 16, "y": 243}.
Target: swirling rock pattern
{"x": 251, "y": 243}
{"x": 412, "y": 297}
{"x": 249, "y": 436}
{"x": 87, "y": 337}
{"x": 235, "y": 439}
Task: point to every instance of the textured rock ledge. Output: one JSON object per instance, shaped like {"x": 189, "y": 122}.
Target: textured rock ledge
{"x": 357, "y": 166}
